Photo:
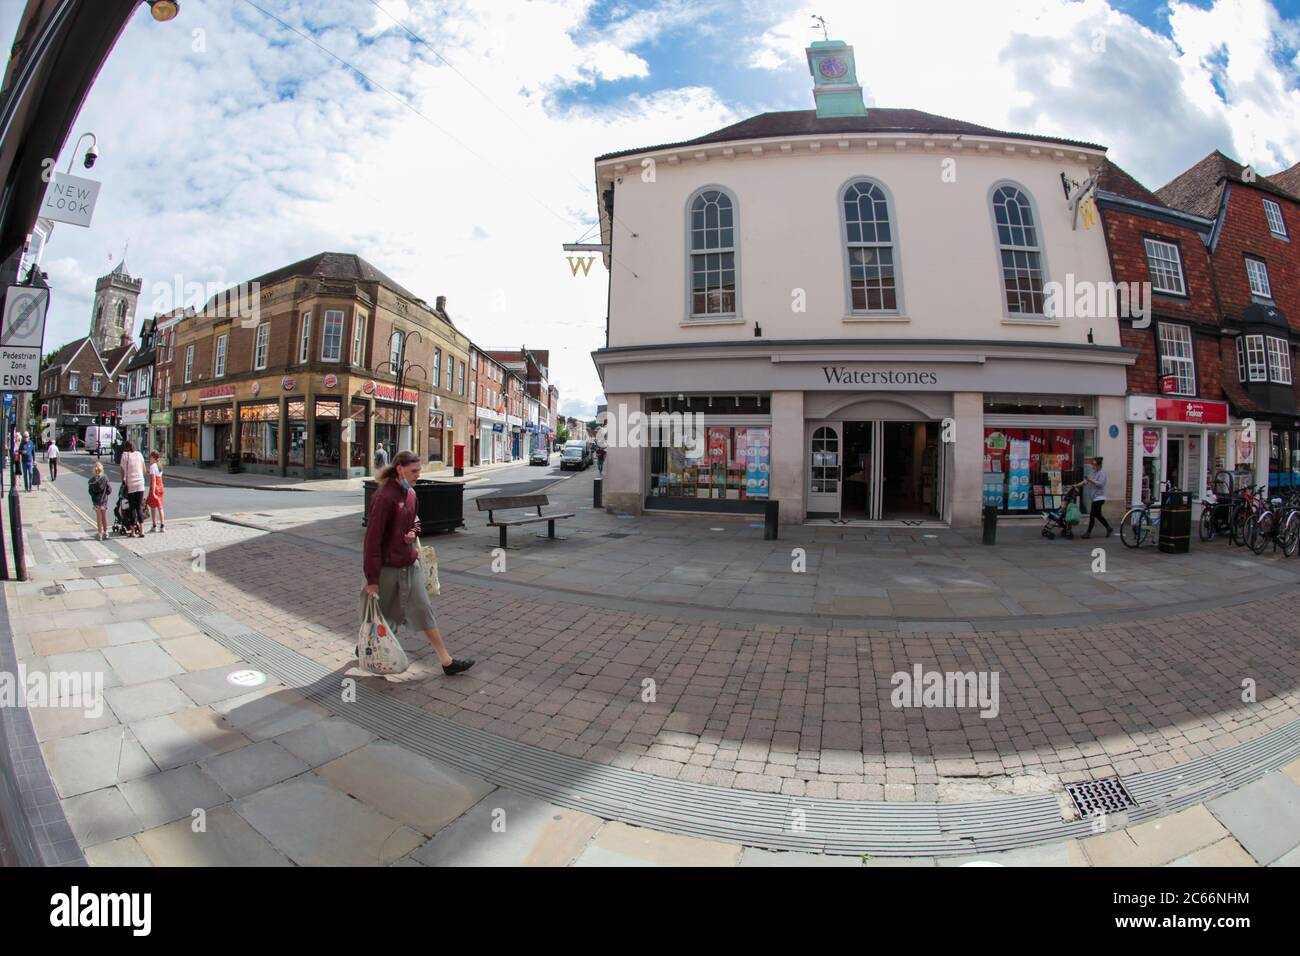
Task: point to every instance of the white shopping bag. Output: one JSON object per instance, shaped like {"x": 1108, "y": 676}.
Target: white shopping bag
{"x": 429, "y": 566}
{"x": 378, "y": 651}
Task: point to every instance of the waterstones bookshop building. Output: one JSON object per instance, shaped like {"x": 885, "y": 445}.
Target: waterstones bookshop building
{"x": 856, "y": 301}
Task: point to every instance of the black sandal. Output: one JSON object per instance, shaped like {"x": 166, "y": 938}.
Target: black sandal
{"x": 457, "y": 667}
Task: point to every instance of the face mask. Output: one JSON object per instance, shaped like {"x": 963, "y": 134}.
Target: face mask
{"x": 406, "y": 485}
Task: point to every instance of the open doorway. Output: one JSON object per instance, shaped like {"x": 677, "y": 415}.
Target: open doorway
{"x": 856, "y": 501}
{"x": 910, "y": 471}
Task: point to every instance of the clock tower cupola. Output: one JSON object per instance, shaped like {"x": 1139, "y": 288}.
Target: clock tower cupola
{"x": 835, "y": 79}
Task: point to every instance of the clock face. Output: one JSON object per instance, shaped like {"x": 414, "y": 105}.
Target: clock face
{"x": 833, "y": 68}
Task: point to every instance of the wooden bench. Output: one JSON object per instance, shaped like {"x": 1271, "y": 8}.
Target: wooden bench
{"x": 507, "y": 502}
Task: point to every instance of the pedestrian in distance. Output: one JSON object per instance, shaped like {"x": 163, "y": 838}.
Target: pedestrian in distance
{"x": 131, "y": 468}
{"x": 28, "y": 451}
{"x": 72, "y": 443}
{"x": 155, "y": 497}
{"x": 52, "y": 456}
{"x": 392, "y": 565}
{"x": 100, "y": 490}
{"x": 600, "y": 459}
{"x": 1097, "y": 482}
{"x": 381, "y": 458}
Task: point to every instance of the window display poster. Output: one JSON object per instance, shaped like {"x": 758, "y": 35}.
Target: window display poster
{"x": 1037, "y": 445}
{"x": 1018, "y": 476}
{"x": 757, "y": 463}
{"x": 718, "y": 442}
{"x": 994, "y": 490}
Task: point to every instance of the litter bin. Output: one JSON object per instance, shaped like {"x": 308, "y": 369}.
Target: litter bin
{"x": 370, "y": 487}
{"x": 990, "y": 524}
{"x": 440, "y": 505}
{"x": 771, "y": 520}
{"x": 1175, "y": 522}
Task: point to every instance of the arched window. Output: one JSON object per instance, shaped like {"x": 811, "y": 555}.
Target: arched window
{"x": 825, "y": 461}
{"x": 713, "y": 254}
{"x": 1018, "y": 248}
{"x": 869, "y": 240}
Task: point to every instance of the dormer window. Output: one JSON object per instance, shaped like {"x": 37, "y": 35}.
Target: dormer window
{"x": 1018, "y": 248}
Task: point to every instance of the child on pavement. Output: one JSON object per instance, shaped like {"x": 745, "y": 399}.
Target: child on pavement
{"x": 100, "y": 490}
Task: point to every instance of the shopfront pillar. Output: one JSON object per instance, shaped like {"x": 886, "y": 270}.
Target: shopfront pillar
{"x": 1263, "y": 443}
{"x": 1113, "y": 448}
{"x": 235, "y": 452}
{"x": 625, "y": 468}
{"x": 283, "y": 432}
{"x": 789, "y": 460}
{"x": 309, "y": 443}
{"x": 965, "y": 478}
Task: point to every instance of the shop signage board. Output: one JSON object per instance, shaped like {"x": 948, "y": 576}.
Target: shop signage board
{"x": 216, "y": 391}
{"x": 70, "y": 199}
{"x": 388, "y": 393}
{"x": 1191, "y": 411}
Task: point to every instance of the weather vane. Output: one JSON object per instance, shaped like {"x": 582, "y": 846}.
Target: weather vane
{"x": 821, "y": 23}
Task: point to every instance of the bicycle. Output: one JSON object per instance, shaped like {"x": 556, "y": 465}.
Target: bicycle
{"x": 1216, "y": 508}
{"x": 1276, "y": 522}
{"x": 1244, "y": 507}
{"x": 1141, "y": 521}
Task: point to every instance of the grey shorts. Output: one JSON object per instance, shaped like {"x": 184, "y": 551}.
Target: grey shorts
{"x": 404, "y": 599}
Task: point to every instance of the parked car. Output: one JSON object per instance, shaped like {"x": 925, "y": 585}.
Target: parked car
{"x": 575, "y": 456}
{"x": 539, "y": 456}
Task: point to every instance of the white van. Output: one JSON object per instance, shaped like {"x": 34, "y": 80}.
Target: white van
{"x": 100, "y": 438}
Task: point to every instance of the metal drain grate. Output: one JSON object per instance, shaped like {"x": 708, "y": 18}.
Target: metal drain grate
{"x": 617, "y": 534}
{"x": 1100, "y": 796}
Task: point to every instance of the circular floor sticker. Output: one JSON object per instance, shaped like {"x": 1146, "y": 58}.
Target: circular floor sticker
{"x": 246, "y": 678}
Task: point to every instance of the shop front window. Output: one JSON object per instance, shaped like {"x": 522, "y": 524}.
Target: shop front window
{"x": 1028, "y": 470}
{"x": 296, "y": 429}
{"x": 259, "y": 433}
{"x": 187, "y": 434}
{"x": 726, "y": 463}
{"x": 326, "y": 433}
{"x": 393, "y": 428}
{"x": 1284, "y": 459}
{"x": 360, "y": 416}
{"x": 220, "y": 420}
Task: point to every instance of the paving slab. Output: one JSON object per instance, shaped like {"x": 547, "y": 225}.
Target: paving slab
{"x": 1156, "y": 842}
{"x": 249, "y": 769}
{"x": 424, "y": 794}
{"x": 117, "y": 853}
{"x": 225, "y": 840}
{"x": 508, "y": 828}
{"x": 209, "y": 686}
{"x": 119, "y": 633}
{"x": 1062, "y": 853}
{"x": 325, "y": 740}
{"x": 187, "y": 736}
{"x": 135, "y": 702}
{"x": 293, "y": 815}
{"x": 1226, "y": 852}
{"x": 1264, "y": 816}
{"x": 52, "y": 723}
{"x": 197, "y": 652}
{"x": 100, "y": 816}
{"x": 618, "y": 844}
{"x": 95, "y": 760}
{"x": 269, "y": 712}
{"x": 753, "y": 856}
{"x": 138, "y": 663}
{"x": 171, "y": 795}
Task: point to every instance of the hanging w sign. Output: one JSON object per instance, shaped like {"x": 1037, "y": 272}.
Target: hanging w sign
{"x": 584, "y": 262}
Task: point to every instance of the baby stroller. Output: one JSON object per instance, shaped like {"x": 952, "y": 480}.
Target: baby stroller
{"x": 122, "y": 522}
{"x": 1062, "y": 519}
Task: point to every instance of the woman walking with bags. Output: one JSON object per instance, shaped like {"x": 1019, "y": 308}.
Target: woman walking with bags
{"x": 132, "y": 473}
{"x": 154, "y": 501}
{"x": 392, "y": 567}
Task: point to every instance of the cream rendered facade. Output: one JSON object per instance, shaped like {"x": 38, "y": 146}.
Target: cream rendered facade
{"x": 947, "y": 353}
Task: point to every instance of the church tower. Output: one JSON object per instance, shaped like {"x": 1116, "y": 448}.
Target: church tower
{"x": 113, "y": 317}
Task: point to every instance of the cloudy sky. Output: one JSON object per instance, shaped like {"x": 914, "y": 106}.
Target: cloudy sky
{"x": 232, "y": 144}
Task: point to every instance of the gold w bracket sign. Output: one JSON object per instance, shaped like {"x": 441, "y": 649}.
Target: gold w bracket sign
{"x": 584, "y": 262}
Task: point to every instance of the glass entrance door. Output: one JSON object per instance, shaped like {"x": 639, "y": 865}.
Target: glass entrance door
{"x": 824, "y": 470}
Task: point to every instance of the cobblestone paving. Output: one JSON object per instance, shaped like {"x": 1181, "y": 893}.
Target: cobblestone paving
{"x": 799, "y": 710}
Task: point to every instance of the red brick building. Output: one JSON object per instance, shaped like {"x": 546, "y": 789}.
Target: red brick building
{"x": 1176, "y": 412}
{"x": 1256, "y": 266}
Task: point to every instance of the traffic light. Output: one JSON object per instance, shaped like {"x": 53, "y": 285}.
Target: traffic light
{"x": 100, "y": 419}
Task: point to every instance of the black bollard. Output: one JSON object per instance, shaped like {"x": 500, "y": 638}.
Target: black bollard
{"x": 4, "y": 555}
{"x": 16, "y": 532}
{"x": 771, "y": 518}
{"x": 597, "y": 487}
{"x": 990, "y": 524}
